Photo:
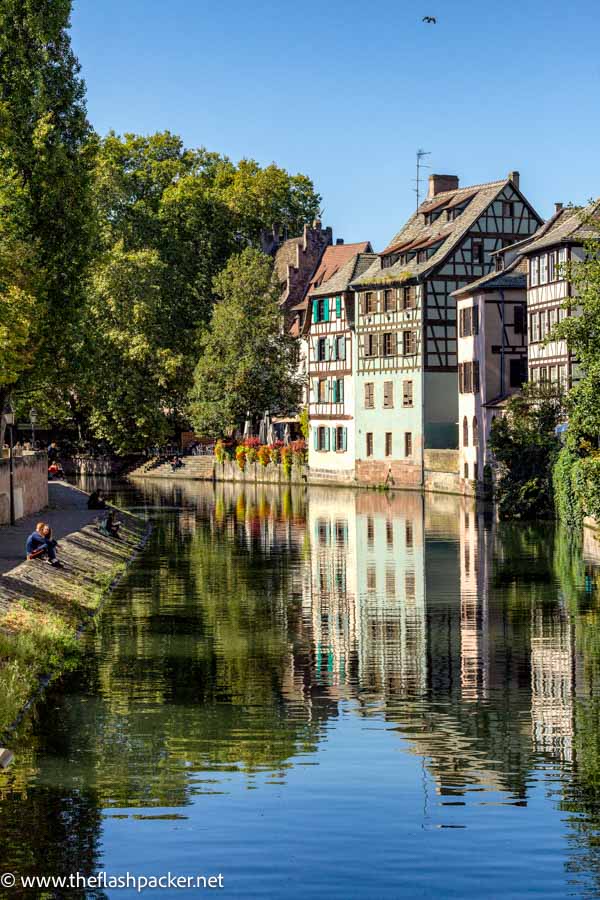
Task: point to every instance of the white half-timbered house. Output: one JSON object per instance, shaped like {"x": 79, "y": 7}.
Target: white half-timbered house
{"x": 406, "y": 321}
{"x": 328, "y": 332}
{"x": 550, "y": 293}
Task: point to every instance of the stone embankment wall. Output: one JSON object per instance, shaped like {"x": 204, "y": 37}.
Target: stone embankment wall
{"x": 43, "y": 610}
{"x": 30, "y": 485}
{"x": 440, "y": 473}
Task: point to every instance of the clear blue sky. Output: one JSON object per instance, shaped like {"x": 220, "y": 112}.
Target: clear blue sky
{"x": 346, "y": 91}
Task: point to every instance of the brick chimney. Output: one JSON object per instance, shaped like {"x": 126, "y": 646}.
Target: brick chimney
{"x": 557, "y": 207}
{"x": 514, "y": 177}
{"x": 440, "y": 183}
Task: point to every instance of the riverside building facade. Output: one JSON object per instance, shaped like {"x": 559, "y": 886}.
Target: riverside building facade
{"x": 406, "y": 376}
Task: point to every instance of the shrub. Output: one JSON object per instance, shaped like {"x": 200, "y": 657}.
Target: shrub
{"x": 564, "y": 479}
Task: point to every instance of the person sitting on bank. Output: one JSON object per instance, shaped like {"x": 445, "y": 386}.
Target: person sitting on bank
{"x": 55, "y": 470}
{"x": 96, "y": 500}
{"x": 40, "y": 545}
{"x": 112, "y": 524}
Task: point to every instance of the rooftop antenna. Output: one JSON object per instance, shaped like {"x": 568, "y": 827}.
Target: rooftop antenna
{"x": 421, "y": 154}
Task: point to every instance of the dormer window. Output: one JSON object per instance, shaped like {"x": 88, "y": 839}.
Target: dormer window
{"x": 422, "y": 256}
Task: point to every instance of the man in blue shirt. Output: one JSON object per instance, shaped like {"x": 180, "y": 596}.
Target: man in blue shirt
{"x": 39, "y": 547}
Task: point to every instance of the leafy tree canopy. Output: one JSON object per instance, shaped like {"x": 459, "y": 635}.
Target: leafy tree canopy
{"x": 246, "y": 361}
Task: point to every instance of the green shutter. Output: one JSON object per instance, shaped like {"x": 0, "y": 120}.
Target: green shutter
{"x": 326, "y": 309}
{"x": 338, "y": 307}
{"x": 316, "y": 438}
{"x": 334, "y": 439}
{"x": 341, "y": 390}
{"x": 315, "y": 306}
{"x": 344, "y": 438}
{"x": 327, "y": 438}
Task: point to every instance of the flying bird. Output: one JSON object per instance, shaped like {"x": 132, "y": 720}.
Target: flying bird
{"x": 431, "y": 20}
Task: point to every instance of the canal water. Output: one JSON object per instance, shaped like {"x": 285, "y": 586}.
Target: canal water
{"x": 324, "y": 693}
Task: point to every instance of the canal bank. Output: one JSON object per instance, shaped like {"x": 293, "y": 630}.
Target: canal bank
{"x": 44, "y": 610}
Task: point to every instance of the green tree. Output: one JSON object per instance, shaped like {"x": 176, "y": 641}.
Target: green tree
{"x": 46, "y": 160}
{"x": 170, "y": 219}
{"x": 247, "y": 362}
{"x": 525, "y": 445}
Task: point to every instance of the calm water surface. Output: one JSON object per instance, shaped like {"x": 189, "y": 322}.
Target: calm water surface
{"x": 325, "y": 694}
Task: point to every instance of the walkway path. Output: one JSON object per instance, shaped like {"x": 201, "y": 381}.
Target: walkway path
{"x": 67, "y": 512}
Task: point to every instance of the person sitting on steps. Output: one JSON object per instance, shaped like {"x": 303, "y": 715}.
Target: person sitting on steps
{"x": 96, "y": 500}
{"x": 40, "y": 545}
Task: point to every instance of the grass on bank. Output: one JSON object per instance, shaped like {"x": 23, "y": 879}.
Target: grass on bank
{"x": 37, "y": 641}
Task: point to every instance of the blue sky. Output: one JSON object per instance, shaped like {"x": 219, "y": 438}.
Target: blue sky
{"x": 346, "y": 92}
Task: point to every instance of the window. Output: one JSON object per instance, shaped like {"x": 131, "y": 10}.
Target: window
{"x": 518, "y": 372}
{"x": 468, "y": 321}
{"x": 468, "y": 377}
{"x": 340, "y": 347}
{"x": 422, "y": 256}
{"x": 388, "y": 394}
{"x": 475, "y": 432}
{"x": 321, "y": 310}
{"x": 409, "y": 297}
{"x": 389, "y": 301}
{"x": 465, "y": 432}
{"x": 321, "y": 350}
{"x": 408, "y": 443}
{"x": 322, "y": 438}
{"x": 370, "y": 530}
{"x": 388, "y": 443}
{"x": 466, "y": 470}
{"x": 409, "y": 343}
{"x": 369, "y": 395}
{"x": 389, "y": 344}
{"x": 519, "y": 323}
{"x": 476, "y": 471}
{"x": 543, "y": 323}
{"x": 371, "y": 345}
{"x": 408, "y": 534}
{"x": 543, "y": 270}
{"x": 508, "y": 209}
{"x": 552, "y": 266}
{"x": 407, "y": 393}
{"x": 322, "y": 390}
{"x": 390, "y": 582}
{"x": 533, "y": 272}
{"x": 369, "y": 441}
{"x": 338, "y": 390}
{"x": 534, "y": 327}
{"x": 340, "y": 439}
{"x": 477, "y": 251}
{"x": 370, "y": 304}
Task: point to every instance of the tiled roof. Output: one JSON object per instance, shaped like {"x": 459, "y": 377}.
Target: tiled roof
{"x": 569, "y": 225}
{"x": 351, "y": 269}
{"x": 333, "y": 259}
{"x": 418, "y": 231}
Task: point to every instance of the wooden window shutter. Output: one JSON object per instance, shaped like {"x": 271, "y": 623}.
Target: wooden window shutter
{"x": 338, "y": 307}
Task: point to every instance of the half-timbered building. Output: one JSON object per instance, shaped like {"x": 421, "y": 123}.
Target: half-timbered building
{"x": 406, "y": 321}
{"x": 550, "y": 293}
{"x": 330, "y": 348}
